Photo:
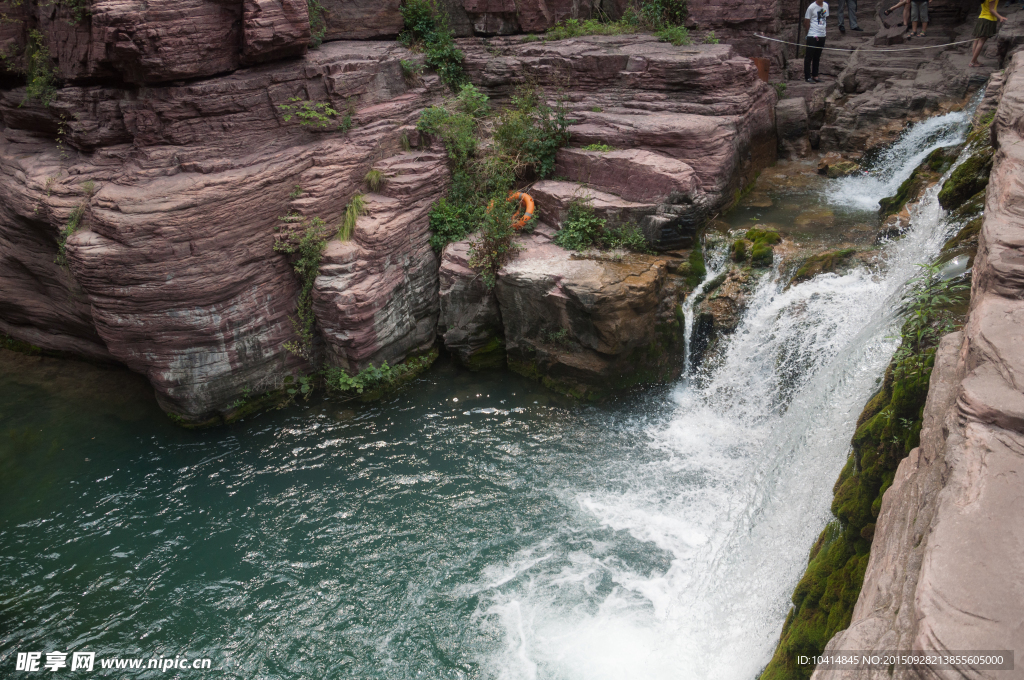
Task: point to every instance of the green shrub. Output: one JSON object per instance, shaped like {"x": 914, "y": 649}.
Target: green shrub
{"x": 494, "y": 246}
{"x": 472, "y": 101}
{"x": 661, "y": 13}
{"x": 376, "y": 377}
{"x": 710, "y": 38}
{"x": 427, "y": 28}
{"x": 411, "y": 70}
{"x": 780, "y": 89}
{"x": 677, "y": 35}
{"x": 317, "y": 22}
{"x": 456, "y": 130}
{"x": 598, "y": 147}
{"x": 375, "y": 180}
{"x": 40, "y": 72}
{"x": 318, "y": 116}
{"x": 308, "y": 248}
{"x": 532, "y": 133}
{"x": 574, "y": 28}
{"x": 583, "y": 229}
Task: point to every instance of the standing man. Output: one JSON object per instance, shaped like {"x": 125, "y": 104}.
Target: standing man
{"x": 850, "y": 7}
{"x": 814, "y": 22}
{"x": 919, "y": 15}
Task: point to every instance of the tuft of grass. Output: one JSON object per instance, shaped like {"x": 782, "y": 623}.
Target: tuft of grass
{"x": 598, "y": 147}
{"x": 677, "y": 35}
{"x": 73, "y": 224}
{"x": 710, "y": 38}
{"x": 355, "y": 208}
{"x": 307, "y": 246}
{"x": 375, "y": 180}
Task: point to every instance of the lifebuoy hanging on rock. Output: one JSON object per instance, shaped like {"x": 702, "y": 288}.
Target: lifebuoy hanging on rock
{"x": 519, "y": 220}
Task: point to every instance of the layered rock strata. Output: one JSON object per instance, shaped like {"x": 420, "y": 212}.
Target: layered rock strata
{"x": 946, "y": 560}
{"x": 172, "y": 270}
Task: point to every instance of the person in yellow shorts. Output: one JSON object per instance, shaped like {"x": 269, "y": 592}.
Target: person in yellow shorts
{"x": 985, "y": 27}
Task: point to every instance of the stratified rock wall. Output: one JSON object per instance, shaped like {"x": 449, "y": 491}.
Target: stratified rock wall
{"x": 946, "y": 566}
{"x": 174, "y": 266}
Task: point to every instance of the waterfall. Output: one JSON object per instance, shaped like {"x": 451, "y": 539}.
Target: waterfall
{"x": 731, "y": 487}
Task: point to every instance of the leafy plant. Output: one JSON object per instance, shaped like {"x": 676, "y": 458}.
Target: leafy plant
{"x": 427, "y": 28}
{"x": 582, "y": 229}
{"x": 780, "y": 89}
{"x": 457, "y": 130}
{"x": 318, "y": 116}
{"x": 494, "y": 245}
{"x": 317, "y": 22}
{"x": 307, "y": 246}
{"x": 411, "y": 70}
{"x": 677, "y": 35}
{"x": 375, "y": 180}
{"x": 355, "y": 208}
{"x": 472, "y": 101}
{"x": 532, "y": 133}
{"x": 40, "y": 72}
{"x": 296, "y": 192}
{"x": 710, "y": 38}
{"x": 598, "y": 147}
{"x": 375, "y": 377}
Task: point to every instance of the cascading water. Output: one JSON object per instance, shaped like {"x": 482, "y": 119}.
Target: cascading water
{"x": 734, "y": 486}
{"x": 471, "y": 527}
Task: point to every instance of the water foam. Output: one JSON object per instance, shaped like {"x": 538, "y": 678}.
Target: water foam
{"x": 732, "y": 487}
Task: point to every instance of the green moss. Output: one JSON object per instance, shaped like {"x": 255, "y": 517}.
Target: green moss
{"x": 887, "y": 429}
{"x": 965, "y": 236}
{"x": 971, "y": 208}
{"x": 766, "y": 236}
{"x": 967, "y": 180}
{"x": 491, "y": 355}
{"x": 697, "y": 268}
{"x": 821, "y": 263}
{"x": 910, "y": 188}
{"x": 761, "y": 255}
{"x": 738, "y": 252}
{"x": 9, "y": 343}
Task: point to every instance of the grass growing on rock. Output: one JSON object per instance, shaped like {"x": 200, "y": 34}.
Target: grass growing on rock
{"x": 582, "y": 230}
{"x": 524, "y": 140}
{"x": 306, "y": 247}
{"x": 664, "y": 18}
{"x": 887, "y": 430}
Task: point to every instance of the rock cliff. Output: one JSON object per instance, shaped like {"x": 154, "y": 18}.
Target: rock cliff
{"x": 945, "y": 567}
{"x": 141, "y": 202}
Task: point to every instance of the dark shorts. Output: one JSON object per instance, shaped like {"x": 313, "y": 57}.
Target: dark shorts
{"x": 919, "y": 12}
{"x": 983, "y": 28}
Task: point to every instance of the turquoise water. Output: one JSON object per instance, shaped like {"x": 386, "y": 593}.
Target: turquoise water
{"x": 324, "y": 540}
{"x": 472, "y": 526}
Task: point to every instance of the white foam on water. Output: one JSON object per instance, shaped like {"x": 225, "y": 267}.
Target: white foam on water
{"x": 733, "y": 487}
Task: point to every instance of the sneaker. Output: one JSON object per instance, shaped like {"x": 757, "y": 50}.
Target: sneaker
{"x": 842, "y": 29}
{"x": 812, "y": 80}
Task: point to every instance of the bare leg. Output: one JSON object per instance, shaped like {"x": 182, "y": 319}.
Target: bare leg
{"x": 914, "y": 29}
{"x": 978, "y": 45}
{"x": 924, "y": 28}
{"x": 906, "y": 15}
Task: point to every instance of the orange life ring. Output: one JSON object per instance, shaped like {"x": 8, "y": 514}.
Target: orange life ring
{"x": 519, "y": 220}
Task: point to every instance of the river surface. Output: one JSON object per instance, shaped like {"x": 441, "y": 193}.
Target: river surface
{"x": 473, "y": 525}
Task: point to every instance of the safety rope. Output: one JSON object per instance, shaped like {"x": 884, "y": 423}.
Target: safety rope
{"x": 861, "y": 49}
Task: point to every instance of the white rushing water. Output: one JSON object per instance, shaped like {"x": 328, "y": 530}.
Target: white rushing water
{"x": 734, "y": 487}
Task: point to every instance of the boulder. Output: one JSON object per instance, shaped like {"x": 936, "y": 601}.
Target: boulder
{"x": 362, "y": 20}
{"x": 633, "y": 174}
{"x": 589, "y": 326}
{"x": 791, "y": 128}
{"x": 469, "y": 324}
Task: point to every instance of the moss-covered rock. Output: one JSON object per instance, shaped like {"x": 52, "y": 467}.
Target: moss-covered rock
{"x": 887, "y": 429}
{"x": 841, "y": 169}
{"x": 738, "y": 251}
{"x": 967, "y": 180}
{"x": 821, "y": 263}
{"x": 762, "y": 255}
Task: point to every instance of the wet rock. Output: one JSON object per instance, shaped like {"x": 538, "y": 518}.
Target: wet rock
{"x": 718, "y": 312}
{"x": 470, "y": 322}
{"x": 968, "y": 179}
{"x": 791, "y": 127}
{"x": 587, "y": 326}
{"x": 842, "y": 169}
{"x": 821, "y": 263}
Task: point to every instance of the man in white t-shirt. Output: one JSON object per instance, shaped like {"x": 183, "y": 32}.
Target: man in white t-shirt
{"x": 814, "y": 22}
